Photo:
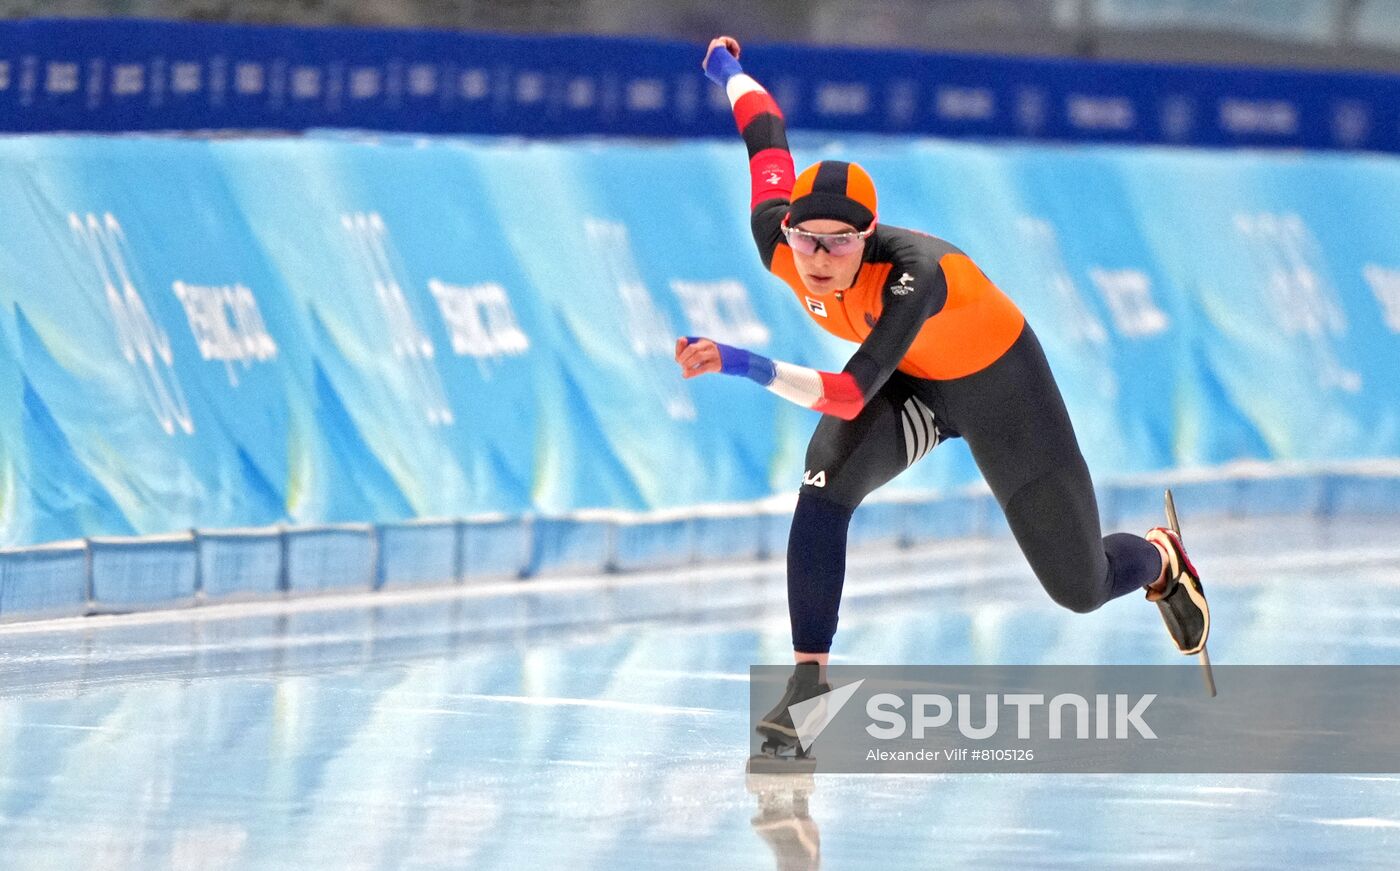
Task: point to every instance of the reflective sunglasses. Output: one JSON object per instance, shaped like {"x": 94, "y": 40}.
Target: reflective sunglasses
{"x": 836, "y": 244}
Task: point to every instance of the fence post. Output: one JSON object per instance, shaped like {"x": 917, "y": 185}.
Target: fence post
{"x": 377, "y": 555}
{"x": 89, "y": 593}
{"x": 459, "y": 551}
{"x": 198, "y": 567}
{"x": 284, "y": 576}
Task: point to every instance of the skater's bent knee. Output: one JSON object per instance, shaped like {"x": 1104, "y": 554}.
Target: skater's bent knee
{"x": 1076, "y": 597}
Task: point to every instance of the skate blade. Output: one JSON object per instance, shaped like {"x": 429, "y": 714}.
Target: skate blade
{"x": 764, "y": 764}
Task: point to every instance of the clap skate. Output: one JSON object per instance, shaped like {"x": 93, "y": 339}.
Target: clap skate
{"x": 782, "y": 752}
{"x": 1183, "y": 601}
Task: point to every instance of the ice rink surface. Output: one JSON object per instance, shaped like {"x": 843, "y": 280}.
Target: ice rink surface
{"x": 524, "y": 725}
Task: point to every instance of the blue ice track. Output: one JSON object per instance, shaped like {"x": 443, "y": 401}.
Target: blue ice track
{"x": 527, "y": 725}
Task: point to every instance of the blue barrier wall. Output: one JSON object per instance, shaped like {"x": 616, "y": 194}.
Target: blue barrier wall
{"x": 150, "y": 75}
{"x": 223, "y": 334}
{"x": 320, "y": 332}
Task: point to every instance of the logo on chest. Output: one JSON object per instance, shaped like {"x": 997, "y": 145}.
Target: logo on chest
{"x": 816, "y": 307}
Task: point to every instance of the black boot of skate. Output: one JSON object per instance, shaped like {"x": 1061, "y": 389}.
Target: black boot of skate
{"x": 776, "y": 727}
{"x": 1183, "y": 601}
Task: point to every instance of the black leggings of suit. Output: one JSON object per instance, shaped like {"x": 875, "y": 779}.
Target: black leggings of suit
{"x": 1014, "y": 420}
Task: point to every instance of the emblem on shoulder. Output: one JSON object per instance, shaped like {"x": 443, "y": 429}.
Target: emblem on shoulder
{"x": 905, "y": 285}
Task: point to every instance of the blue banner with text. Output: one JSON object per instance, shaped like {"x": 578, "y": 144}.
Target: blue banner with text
{"x": 236, "y": 333}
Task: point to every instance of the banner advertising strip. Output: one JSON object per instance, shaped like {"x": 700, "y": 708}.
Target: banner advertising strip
{"x": 124, "y": 75}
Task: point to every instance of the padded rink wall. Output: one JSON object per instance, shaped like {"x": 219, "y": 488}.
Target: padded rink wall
{"x": 257, "y": 367}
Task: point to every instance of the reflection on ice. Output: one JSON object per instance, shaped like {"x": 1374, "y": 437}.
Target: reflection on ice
{"x": 783, "y": 820}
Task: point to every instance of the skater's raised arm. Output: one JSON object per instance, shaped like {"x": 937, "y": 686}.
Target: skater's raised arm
{"x": 760, "y": 122}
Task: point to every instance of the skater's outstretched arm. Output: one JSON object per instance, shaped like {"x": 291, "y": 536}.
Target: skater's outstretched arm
{"x": 914, "y": 295}
{"x": 828, "y": 392}
{"x": 760, "y": 122}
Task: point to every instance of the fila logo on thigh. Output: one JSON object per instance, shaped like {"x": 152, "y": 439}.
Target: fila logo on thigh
{"x": 817, "y": 480}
